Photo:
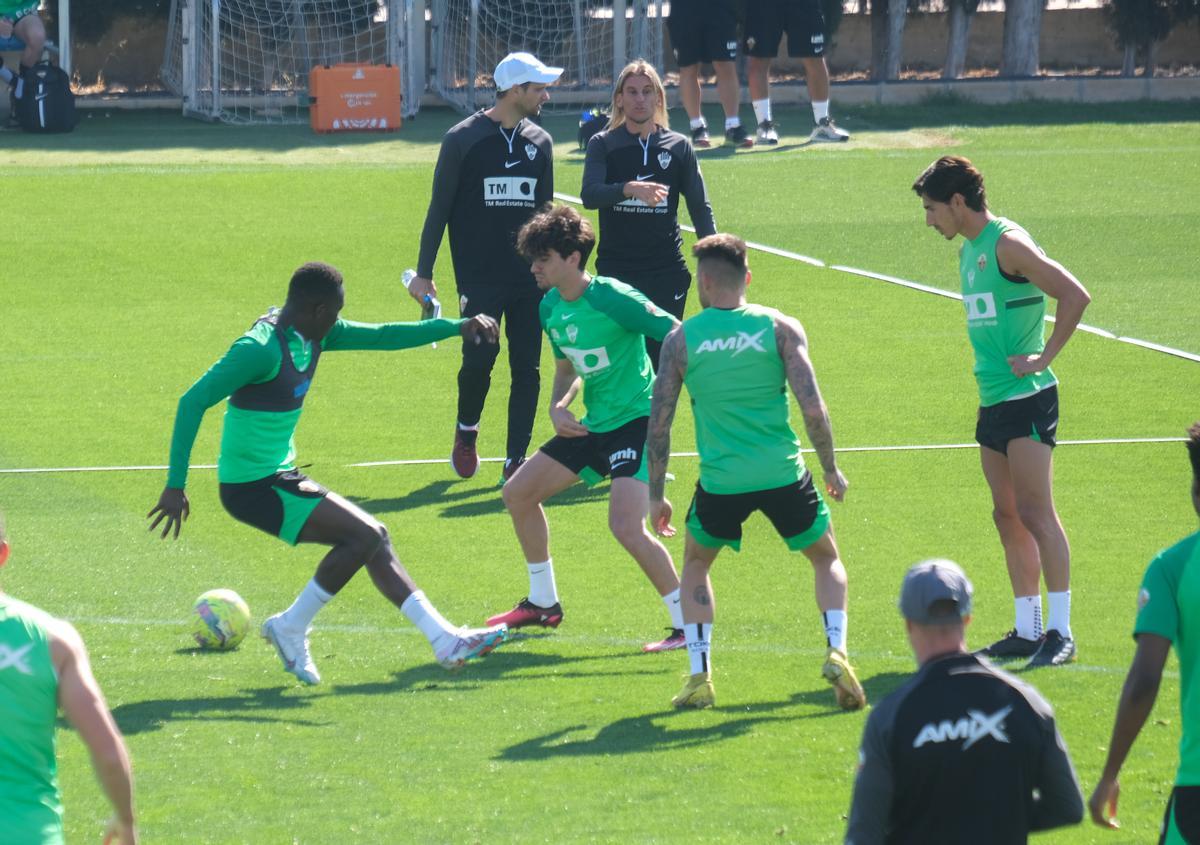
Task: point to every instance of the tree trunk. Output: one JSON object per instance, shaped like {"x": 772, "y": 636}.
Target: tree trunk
{"x": 1022, "y": 32}
{"x": 1151, "y": 58}
{"x": 897, "y": 15}
{"x": 1129, "y": 62}
{"x": 879, "y": 29}
{"x": 956, "y": 48}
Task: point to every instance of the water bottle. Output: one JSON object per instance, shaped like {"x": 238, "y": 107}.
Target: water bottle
{"x": 431, "y": 309}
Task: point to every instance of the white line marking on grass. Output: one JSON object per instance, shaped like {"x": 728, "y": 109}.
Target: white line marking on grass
{"x": 816, "y": 262}
{"x": 401, "y": 462}
{"x": 634, "y": 645}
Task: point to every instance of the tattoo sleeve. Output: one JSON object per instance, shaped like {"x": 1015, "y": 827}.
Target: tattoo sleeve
{"x": 793, "y": 349}
{"x": 672, "y": 363}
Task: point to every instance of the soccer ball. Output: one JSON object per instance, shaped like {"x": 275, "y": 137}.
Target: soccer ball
{"x": 220, "y": 620}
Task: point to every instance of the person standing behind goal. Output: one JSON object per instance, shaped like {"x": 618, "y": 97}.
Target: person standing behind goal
{"x": 494, "y": 170}
{"x": 635, "y": 172}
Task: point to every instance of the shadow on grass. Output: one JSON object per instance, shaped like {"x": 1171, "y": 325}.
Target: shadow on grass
{"x": 476, "y": 501}
{"x": 266, "y": 704}
{"x": 503, "y": 665}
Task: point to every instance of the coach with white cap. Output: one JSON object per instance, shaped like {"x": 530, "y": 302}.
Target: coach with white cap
{"x": 962, "y": 752}
{"x": 494, "y": 170}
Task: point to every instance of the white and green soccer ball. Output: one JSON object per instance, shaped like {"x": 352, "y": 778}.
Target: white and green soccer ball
{"x": 220, "y": 620}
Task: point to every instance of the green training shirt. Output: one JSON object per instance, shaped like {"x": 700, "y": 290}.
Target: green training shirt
{"x": 256, "y": 444}
{"x": 738, "y": 386}
{"x": 1169, "y": 606}
{"x": 30, "y": 803}
{"x": 1006, "y": 315}
{"x": 602, "y": 334}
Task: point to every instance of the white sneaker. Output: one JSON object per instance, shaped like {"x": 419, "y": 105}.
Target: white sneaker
{"x": 470, "y": 643}
{"x": 292, "y": 649}
{"x": 767, "y": 133}
{"x": 826, "y": 130}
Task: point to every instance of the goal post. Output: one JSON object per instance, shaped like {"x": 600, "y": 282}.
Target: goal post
{"x": 248, "y": 61}
{"x": 590, "y": 39}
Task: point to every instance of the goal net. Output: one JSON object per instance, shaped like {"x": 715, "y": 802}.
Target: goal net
{"x": 248, "y": 61}
{"x": 590, "y": 39}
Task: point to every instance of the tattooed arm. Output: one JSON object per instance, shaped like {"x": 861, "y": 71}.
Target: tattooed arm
{"x": 672, "y": 364}
{"x": 793, "y": 349}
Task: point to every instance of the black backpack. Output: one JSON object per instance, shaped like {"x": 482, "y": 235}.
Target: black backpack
{"x": 44, "y": 100}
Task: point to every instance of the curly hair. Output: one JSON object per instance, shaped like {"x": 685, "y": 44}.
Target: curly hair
{"x": 951, "y": 175}
{"x": 559, "y": 228}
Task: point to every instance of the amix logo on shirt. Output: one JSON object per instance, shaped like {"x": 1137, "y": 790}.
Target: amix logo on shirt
{"x": 976, "y": 725}
{"x": 739, "y": 344}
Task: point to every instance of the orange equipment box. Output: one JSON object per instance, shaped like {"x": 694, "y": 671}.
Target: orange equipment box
{"x": 354, "y": 98}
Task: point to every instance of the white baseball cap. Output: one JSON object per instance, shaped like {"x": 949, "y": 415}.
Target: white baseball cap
{"x": 519, "y": 68}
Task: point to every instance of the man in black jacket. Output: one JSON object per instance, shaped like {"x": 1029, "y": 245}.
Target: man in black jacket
{"x": 962, "y": 752}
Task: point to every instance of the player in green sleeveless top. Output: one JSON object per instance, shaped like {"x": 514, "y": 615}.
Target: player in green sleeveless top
{"x": 1168, "y": 614}
{"x": 1005, "y": 281}
{"x": 44, "y": 667}
{"x": 598, "y": 329}
{"x": 737, "y": 361}
{"x": 266, "y": 375}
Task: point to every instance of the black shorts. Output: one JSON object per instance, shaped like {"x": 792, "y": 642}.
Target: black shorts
{"x": 797, "y": 510}
{"x": 1181, "y": 824}
{"x": 1035, "y": 417}
{"x": 619, "y": 453}
{"x": 703, "y": 31}
{"x": 767, "y": 20}
{"x": 279, "y": 504}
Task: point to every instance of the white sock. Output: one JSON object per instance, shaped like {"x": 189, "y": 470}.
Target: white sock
{"x": 697, "y": 122}
{"x": 1060, "y": 613}
{"x": 1029, "y": 616}
{"x": 699, "y": 644}
{"x": 542, "y": 590}
{"x": 820, "y": 110}
{"x": 732, "y": 122}
{"x": 762, "y": 109}
{"x": 300, "y": 615}
{"x": 671, "y": 600}
{"x": 421, "y": 612}
{"x": 835, "y": 629}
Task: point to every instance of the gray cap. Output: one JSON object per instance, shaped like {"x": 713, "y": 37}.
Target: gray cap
{"x": 932, "y": 581}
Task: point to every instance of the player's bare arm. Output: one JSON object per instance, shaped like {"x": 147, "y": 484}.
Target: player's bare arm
{"x": 672, "y": 364}
{"x": 792, "y": 344}
{"x": 1137, "y": 700}
{"x": 83, "y": 704}
{"x": 566, "y": 386}
{"x": 1019, "y": 256}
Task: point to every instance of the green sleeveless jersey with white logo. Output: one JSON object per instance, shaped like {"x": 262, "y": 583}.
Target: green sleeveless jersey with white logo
{"x": 1006, "y": 316}
{"x": 739, "y": 396}
{"x": 603, "y": 335}
{"x": 1169, "y": 606}
{"x": 30, "y": 804}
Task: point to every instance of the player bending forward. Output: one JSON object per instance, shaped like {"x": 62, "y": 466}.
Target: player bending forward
{"x": 736, "y": 360}
{"x": 597, "y": 328}
{"x": 266, "y": 374}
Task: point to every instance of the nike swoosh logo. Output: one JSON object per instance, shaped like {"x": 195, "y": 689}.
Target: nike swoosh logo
{"x": 680, "y": 295}
{"x": 621, "y": 464}
{"x": 509, "y": 164}
{"x": 642, "y": 178}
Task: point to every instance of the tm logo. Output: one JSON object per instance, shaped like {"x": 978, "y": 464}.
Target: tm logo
{"x": 978, "y": 726}
{"x": 739, "y": 344}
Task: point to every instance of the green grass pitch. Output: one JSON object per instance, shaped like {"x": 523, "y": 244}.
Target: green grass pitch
{"x": 138, "y": 247}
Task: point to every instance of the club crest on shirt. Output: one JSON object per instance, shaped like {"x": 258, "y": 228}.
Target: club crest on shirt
{"x": 1143, "y": 598}
{"x": 572, "y": 333}
{"x": 530, "y": 151}
{"x": 664, "y": 159}
{"x": 982, "y": 262}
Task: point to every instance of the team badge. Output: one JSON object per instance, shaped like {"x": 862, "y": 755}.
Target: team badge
{"x": 531, "y": 151}
{"x": 1143, "y": 598}
{"x": 750, "y": 42}
{"x": 982, "y": 262}
{"x": 572, "y": 333}
{"x": 664, "y": 159}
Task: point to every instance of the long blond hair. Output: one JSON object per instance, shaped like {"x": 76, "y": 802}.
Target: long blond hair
{"x": 639, "y": 67}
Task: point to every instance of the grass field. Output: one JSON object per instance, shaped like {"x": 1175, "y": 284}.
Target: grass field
{"x": 141, "y": 245}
